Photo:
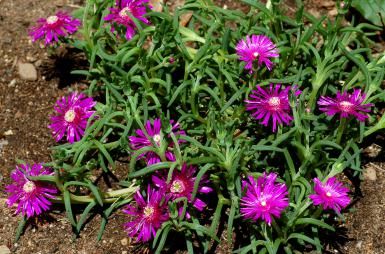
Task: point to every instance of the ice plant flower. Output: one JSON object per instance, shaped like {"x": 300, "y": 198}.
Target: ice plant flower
{"x": 272, "y": 103}
{"x": 146, "y": 214}
{"x": 263, "y": 199}
{"x": 72, "y": 114}
{"x": 154, "y": 131}
{"x": 120, "y": 15}
{"x": 31, "y": 197}
{"x": 346, "y": 105}
{"x": 52, "y": 28}
{"x": 182, "y": 185}
{"x": 331, "y": 194}
{"x": 257, "y": 48}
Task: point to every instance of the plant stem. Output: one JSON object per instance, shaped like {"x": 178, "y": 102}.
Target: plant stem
{"x": 341, "y": 130}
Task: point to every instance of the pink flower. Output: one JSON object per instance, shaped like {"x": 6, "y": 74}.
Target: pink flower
{"x": 181, "y": 184}
{"x": 346, "y": 105}
{"x": 147, "y": 215}
{"x": 72, "y": 114}
{"x": 331, "y": 194}
{"x": 52, "y": 28}
{"x": 31, "y": 197}
{"x": 266, "y": 104}
{"x": 257, "y": 48}
{"x": 154, "y": 131}
{"x": 264, "y": 198}
{"x": 120, "y": 15}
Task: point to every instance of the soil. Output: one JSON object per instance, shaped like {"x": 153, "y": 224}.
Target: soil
{"x": 24, "y": 110}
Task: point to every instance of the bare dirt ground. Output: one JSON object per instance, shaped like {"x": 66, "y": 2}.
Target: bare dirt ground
{"x": 24, "y": 110}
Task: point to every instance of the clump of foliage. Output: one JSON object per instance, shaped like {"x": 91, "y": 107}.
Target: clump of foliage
{"x": 242, "y": 119}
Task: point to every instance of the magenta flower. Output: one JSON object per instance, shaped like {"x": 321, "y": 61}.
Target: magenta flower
{"x": 182, "y": 185}
{"x": 256, "y": 48}
{"x": 59, "y": 25}
{"x": 264, "y": 198}
{"x": 30, "y": 196}
{"x": 147, "y": 215}
{"x": 154, "y": 131}
{"x": 271, "y": 103}
{"x": 72, "y": 114}
{"x": 331, "y": 194}
{"x": 121, "y": 15}
{"x": 346, "y": 105}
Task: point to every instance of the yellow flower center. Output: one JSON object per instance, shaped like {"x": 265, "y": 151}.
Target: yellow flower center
{"x": 328, "y": 194}
{"x": 177, "y": 187}
{"x": 255, "y": 54}
{"x": 346, "y": 106}
{"x": 52, "y": 20}
{"x": 263, "y": 203}
{"x": 148, "y": 211}
{"x": 124, "y": 13}
{"x": 70, "y": 116}
{"x": 274, "y": 102}
{"x": 29, "y": 186}
{"x": 157, "y": 138}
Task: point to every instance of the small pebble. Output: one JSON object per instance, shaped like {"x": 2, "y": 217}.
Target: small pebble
{"x": 370, "y": 174}
{"x": 124, "y": 241}
{"x": 4, "y": 250}
{"x": 27, "y": 71}
{"x": 8, "y": 133}
{"x": 12, "y": 83}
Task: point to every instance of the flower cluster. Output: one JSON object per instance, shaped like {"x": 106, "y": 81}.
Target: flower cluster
{"x": 72, "y": 114}
{"x": 148, "y": 216}
{"x": 270, "y": 104}
{"x": 265, "y": 199}
{"x": 346, "y": 105}
{"x": 273, "y": 103}
{"x": 153, "y": 136}
{"x": 32, "y": 197}
{"x": 123, "y": 13}
{"x": 257, "y": 48}
{"x": 54, "y": 27}
{"x": 331, "y": 194}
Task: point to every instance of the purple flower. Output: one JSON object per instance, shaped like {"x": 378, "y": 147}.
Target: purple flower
{"x": 257, "y": 47}
{"x": 271, "y": 103}
{"x": 154, "y": 131}
{"x": 264, "y": 198}
{"x": 30, "y": 196}
{"x": 147, "y": 215}
{"x": 72, "y": 115}
{"x": 346, "y": 105}
{"x": 331, "y": 195}
{"x": 59, "y": 25}
{"x": 121, "y": 15}
{"x": 182, "y": 185}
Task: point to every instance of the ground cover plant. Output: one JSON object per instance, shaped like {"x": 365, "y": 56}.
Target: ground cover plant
{"x": 238, "y": 118}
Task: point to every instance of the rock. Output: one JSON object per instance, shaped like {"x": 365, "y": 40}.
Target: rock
{"x": 333, "y": 12}
{"x": 8, "y": 133}
{"x": 370, "y": 174}
{"x": 4, "y": 250}
{"x": 38, "y": 63}
{"x": 124, "y": 252}
{"x": 3, "y": 142}
{"x": 12, "y": 83}
{"x": 27, "y": 71}
{"x": 124, "y": 241}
